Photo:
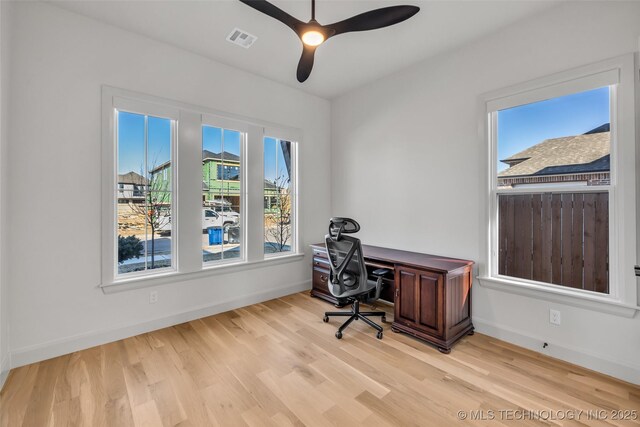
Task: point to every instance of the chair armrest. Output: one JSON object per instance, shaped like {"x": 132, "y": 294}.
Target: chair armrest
{"x": 380, "y": 272}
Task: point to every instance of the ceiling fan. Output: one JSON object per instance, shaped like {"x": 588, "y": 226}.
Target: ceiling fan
{"x": 312, "y": 34}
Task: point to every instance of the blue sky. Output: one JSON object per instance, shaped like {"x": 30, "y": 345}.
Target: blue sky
{"x": 274, "y": 164}
{"x": 131, "y": 147}
{"x": 522, "y": 127}
{"x": 212, "y": 140}
{"x": 131, "y": 144}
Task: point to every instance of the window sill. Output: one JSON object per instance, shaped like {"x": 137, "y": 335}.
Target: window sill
{"x": 207, "y": 271}
{"x": 561, "y": 296}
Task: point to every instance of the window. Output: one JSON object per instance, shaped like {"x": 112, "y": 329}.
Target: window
{"x": 278, "y": 195}
{"x": 221, "y": 163}
{"x": 553, "y": 184}
{"x": 178, "y": 182}
{"x": 144, "y": 147}
{"x": 562, "y": 176}
{"x": 228, "y": 173}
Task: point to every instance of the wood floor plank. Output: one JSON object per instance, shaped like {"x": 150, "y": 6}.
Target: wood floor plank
{"x": 41, "y": 400}
{"x": 277, "y": 364}
{"x": 168, "y": 404}
{"x": 256, "y": 417}
{"x": 16, "y": 394}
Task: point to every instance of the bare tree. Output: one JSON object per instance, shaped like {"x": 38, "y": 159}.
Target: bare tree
{"x": 277, "y": 228}
{"x": 156, "y": 208}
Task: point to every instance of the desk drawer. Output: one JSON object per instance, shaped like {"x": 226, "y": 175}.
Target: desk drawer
{"x": 320, "y": 280}
{"x": 319, "y": 262}
{"x": 320, "y": 289}
{"x": 320, "y": 253}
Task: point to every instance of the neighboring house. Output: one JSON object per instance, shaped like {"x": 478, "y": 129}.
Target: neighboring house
{"x": 273, "y": 197}
{"x": 220, "y": 181}
{"x": 131, "y": 188}
{"x": 220, "y": 178}
{"x": 576, "y": 159}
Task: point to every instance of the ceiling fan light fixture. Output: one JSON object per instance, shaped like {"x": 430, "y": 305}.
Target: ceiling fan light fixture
{"x": 312, "y": 38}
{"x": 312, "y": 34}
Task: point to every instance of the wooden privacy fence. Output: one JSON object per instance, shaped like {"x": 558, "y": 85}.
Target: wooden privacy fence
{"x": 559, "y": 238}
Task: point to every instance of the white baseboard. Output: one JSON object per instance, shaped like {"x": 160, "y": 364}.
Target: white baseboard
{"x": 5, "y": 366}
{"x": 577, "y": 356}
{"x": 36, "y": 353}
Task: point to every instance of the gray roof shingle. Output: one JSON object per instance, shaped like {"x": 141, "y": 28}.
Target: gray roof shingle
{"x": 570, "y": 154}
{"x": 132, "y": 178}
{"x": 206, "y": 154}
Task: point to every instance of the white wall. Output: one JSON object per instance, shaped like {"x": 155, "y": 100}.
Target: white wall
{"x": 58, "y": 62}
{"x": 4, "y": 103}
{"x": 408, "y": 163}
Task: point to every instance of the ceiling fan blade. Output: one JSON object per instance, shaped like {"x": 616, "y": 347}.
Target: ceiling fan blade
{"x": 374, "y": 19}
{"x": 274, "y": 12}
{"x": 306, "y": 63}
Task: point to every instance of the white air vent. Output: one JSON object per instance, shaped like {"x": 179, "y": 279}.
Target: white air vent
{"x": 241, "y": 38}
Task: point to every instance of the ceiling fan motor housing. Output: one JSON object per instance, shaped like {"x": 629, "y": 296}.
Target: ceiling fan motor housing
{"x": 312, "y": 34}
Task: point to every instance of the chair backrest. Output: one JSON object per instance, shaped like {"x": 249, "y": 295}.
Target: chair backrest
{"x": 348, "y": 270}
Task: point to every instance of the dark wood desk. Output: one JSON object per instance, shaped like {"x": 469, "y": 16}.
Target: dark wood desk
{"x": 431, "y": 294}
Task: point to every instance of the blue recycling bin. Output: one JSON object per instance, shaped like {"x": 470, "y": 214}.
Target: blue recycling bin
{"x": 215, "y": 235}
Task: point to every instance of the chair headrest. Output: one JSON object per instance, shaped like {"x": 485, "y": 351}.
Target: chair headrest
{"x": 339, "y": 225}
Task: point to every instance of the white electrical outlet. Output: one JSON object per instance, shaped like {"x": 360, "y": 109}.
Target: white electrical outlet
{"x": 153, "y": 297}
{"x": 554, "y": 317}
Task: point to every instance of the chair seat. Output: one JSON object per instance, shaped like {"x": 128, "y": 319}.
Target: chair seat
{"x": 335, "y": 289}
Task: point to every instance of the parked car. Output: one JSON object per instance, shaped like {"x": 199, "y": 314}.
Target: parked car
{"x": 226, "y": 211}
{"x": 210, "y": 218}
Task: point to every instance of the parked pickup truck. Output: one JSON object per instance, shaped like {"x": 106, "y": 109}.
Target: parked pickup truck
{"x": 210, "y": 218}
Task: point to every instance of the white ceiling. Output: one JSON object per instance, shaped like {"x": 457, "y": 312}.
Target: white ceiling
{"x": 342, "y": 63}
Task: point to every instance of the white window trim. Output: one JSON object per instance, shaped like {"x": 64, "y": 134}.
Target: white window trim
{"x": 619, "y": 71}
{"x": 243, "y": 128}
{"x": 112, "y": 103}
{"x": 284, "y": 135}
{"x": 187, "y": 257}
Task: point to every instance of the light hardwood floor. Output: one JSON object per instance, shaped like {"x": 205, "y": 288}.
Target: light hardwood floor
{"x": 278, "y": 364}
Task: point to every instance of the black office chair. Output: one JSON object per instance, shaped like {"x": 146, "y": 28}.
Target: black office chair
{"x": 348, "y": 277}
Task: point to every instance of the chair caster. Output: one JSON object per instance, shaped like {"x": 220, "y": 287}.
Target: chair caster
{"x": 383, "y": 319}
{"x": 325, "y": 319}
{"x": 379, "y": 335}
{"x": 339, "y": 335}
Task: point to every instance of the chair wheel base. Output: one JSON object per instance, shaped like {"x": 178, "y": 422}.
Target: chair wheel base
{"x": 325, "y": 319}
{"x": 339, "y": 335}
{"x": 379, "y": 335}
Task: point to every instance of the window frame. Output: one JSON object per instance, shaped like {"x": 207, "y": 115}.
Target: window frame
{"x": 187, "y": 261}
{"x": 295, "y": 248}
{"x": 237, "y": 126}
{"x": 617, "y": 73}
{"x": 133, "y": 106}
{"x": 558, "y": 189}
